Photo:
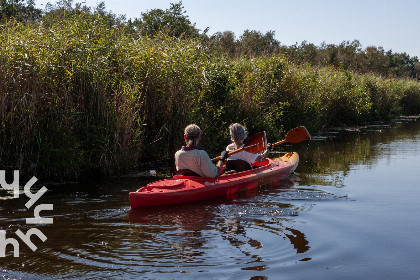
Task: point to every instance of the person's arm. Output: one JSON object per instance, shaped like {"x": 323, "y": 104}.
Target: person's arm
{"x": 207, "y": 166}
{"x": 264, "y": 155}
{"x": 219, "y": 165}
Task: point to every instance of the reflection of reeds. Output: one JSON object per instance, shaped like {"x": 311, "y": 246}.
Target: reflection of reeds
{"x": 78, "y": 95}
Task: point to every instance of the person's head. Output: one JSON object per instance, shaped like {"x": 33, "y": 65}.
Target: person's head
{"x": 237, "y": 132}
{"x": 192, "y": 134}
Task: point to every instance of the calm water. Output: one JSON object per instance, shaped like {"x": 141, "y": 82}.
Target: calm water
{"x": 351, "y": 211}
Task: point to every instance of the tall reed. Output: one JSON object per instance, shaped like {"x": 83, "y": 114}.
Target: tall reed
{"x": 79, "y": 96}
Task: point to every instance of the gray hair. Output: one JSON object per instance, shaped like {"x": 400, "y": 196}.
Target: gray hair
{"x": 192, "y": 132}
{"x": 237, "y": 132}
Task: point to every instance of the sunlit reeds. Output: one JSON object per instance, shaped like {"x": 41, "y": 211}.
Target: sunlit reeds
{"x": 78, "y": 94}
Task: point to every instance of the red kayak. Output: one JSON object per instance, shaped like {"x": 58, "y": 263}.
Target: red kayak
{"x": 180, "y": 189}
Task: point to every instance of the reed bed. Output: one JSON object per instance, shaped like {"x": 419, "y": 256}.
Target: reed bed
{"x": 81, "y": 97}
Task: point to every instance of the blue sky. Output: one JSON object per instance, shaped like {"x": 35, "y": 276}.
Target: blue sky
{"x": 391, "y": 24}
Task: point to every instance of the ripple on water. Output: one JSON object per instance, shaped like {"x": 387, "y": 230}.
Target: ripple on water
{"x": 254, "y": 231}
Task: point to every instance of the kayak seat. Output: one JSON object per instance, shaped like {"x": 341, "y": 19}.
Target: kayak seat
{"x": 236, "y": 165}
{"x": 258, "y": 164}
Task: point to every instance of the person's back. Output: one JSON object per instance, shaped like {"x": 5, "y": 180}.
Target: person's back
{"x": 192, "y": 160}
{"x": 196, "y": 160}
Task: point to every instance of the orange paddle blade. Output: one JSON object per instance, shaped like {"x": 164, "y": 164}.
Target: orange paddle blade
{"x": 296, "y": 135}
{"x": 256, "y": 144}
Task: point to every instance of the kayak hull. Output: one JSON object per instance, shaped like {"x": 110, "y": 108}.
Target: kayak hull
{"x": 181, "y": 189}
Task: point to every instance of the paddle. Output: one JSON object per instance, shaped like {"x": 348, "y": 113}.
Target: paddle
{"x": 255, "y": 144}
{"x": 295, "y": 135}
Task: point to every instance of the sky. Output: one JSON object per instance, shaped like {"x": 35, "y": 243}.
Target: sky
{"x": 391, "y": 24}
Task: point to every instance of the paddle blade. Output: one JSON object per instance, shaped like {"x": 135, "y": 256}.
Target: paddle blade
{"x": 257, "y": 143}
{"x": 297, "y": 135}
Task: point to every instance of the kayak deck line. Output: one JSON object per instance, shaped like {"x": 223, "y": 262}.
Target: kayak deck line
{"x": 180, "y": 189}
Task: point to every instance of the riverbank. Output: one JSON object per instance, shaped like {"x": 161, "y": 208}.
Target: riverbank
{"x": 161, "y": 169}
{"x": 81, "y": 99}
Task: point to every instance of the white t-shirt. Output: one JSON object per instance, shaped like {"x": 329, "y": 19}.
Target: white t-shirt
{"x": 243, "y": 155}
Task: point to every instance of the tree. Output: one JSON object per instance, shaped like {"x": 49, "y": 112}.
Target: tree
{"x": 18, "y": 10}
{"x": 225, "y": 42}
{"x": 64, "y": 9}
{"x": 401, "y": 65}
{"x": 347, "y": 54}
{"x": 375, "y": 61}
{"x": 255, "y": 43}
{"x": 173, "y": 21}
{"x": 304, "y": 53}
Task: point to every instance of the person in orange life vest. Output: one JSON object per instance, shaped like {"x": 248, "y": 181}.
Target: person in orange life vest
{"x": 191, "y": 160}
{"x": 243, "y": 160}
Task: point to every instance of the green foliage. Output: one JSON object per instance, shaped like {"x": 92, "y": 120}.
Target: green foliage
{"x": 175, "y": 22}
{"x": 172, "y": 21}
{"x": 81, "y": 92}
{"x": 63, "y": 95}
{"x": 255, "y": 43}
{"x": 351, "y": 56}
{"x": 410, "y": 100}
{"x": 224, "y": 42}
{"x": 18, "y": 10}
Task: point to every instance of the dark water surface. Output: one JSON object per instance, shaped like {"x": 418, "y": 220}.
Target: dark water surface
{"x": 351, "y": 211}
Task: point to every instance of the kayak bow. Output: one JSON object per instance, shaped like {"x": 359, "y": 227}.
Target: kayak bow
{"x": 180, "y": 189}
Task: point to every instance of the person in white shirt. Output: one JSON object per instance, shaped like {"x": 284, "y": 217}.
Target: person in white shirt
{"x": 243, "y": 160}
{"x": 192, "y": 160}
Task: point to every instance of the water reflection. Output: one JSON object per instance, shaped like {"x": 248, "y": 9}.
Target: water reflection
{"x": 333, "y": 158}
{"x": 298, "y": 240}
{"x": 244, "y": 222}
{"x": 253, "y": 235}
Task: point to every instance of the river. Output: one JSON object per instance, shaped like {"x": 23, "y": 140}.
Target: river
{"x": 350, "y": 211}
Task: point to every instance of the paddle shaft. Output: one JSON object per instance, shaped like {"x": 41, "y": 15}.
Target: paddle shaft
{"x": 255, "y": 144}
{"x": 279, "y": 142}
{"x": 237, "y": 151}
{"x": 294, "y": 136}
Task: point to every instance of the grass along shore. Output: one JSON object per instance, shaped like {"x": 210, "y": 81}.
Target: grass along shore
{"x": 78, "y": 95}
